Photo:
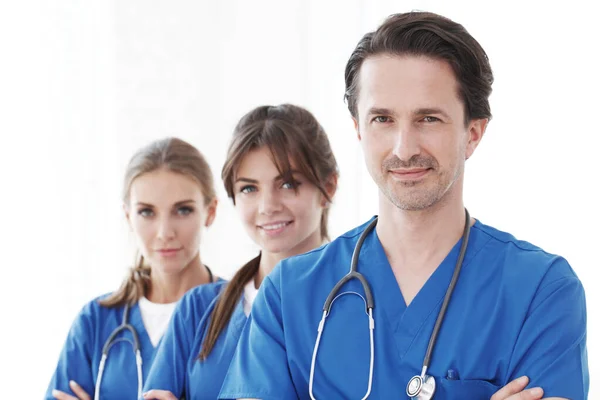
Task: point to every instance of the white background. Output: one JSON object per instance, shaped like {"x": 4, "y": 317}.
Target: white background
{"x": 83, "y": 84}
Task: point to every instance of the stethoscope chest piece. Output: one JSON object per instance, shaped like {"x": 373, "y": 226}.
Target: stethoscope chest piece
{"x": 421, "y": 387}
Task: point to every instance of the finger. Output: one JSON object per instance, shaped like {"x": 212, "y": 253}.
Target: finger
{"x": 513, "y": 387}
{"x": 535, "y": 393}
{"x": 159, "y": 395}
{"x": 60, "y": 395}
{"x": 78, "y": 390}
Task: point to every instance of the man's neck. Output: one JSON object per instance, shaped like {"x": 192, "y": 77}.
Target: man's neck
{"x": 420, "y": 239}
{"x": 416, "y": 242}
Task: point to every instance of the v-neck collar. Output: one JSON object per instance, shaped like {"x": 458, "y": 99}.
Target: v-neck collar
{"x": 406, "y": 322}
{"x": 135, "y": 319}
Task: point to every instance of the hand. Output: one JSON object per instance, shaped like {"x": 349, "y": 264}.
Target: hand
{"x": 514, "y": 391}
{"x": 78, "y": 390}
{"x": 159, "y": 395}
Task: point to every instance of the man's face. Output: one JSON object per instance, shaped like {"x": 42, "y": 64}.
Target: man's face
{"x": 411, "y": 124}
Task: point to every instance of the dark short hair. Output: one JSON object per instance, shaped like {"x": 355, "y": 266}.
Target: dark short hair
{"x": 431, "y": 35}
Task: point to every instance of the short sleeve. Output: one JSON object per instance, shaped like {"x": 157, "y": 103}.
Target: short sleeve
{"x": 259, "y": 368}
{"x": 551, "y": 348}
{"x": 169, "y": 368}
{"x": 75, "y": 361}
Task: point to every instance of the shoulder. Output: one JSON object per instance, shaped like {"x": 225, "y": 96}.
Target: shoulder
{"x": 341, "y": 244}
{"x": 325, "y": 259}
{"x": 94, "y": 310}
{"x": 524, "y": 260}
{"x": 205, "y": 292}
{"x": 94, "y": 317}
{"x": 200, "y": 297}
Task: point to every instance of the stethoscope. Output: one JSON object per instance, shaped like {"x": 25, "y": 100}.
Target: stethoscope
{"x": 112, "y": 339}
{"x": 420, "y": 387}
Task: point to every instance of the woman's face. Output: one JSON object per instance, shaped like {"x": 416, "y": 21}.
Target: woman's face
{"x": 167, "y": 214}
{"x": 278, "y": 218}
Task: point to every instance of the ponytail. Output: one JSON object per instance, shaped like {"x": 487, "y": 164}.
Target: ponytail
{"x": 132, "y": 289}
{"x": 226, "y": 304}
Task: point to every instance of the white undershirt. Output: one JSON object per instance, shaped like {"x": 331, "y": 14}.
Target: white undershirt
{"x": 250, "y": 292}
{"x": 156, "y": 318}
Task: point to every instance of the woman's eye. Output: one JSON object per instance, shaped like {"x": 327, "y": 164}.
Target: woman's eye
{"x": 248, "y": 189}
{"x": 145, "y": 212}
{"x": 185, "y": 210}
{"x": 290, "y": 185}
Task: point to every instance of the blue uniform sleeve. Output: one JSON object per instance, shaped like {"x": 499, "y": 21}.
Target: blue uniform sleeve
{"x": 75, "y": 362}
{"x": 551, "y": 348}
{"x": 169, "y": 368}
{"x": 259, "y": 368}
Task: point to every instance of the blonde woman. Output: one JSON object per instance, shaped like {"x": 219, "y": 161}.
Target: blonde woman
{"x": 168, "y": 199}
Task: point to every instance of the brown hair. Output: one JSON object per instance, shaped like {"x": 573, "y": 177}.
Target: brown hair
{"x": 290, "y": 133}
{"x": 431, "y": 35}
{"x": 175, "y": 155}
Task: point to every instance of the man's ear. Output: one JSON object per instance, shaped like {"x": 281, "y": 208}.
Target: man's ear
{"x": 476, "y": 131}
{"x": 356, "y": 128}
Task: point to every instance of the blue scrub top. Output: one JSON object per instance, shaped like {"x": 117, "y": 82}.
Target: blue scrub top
{"x": 516, "y": 310}
{"x": 176, "y": 367}
{"x": 81, "y": 354}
